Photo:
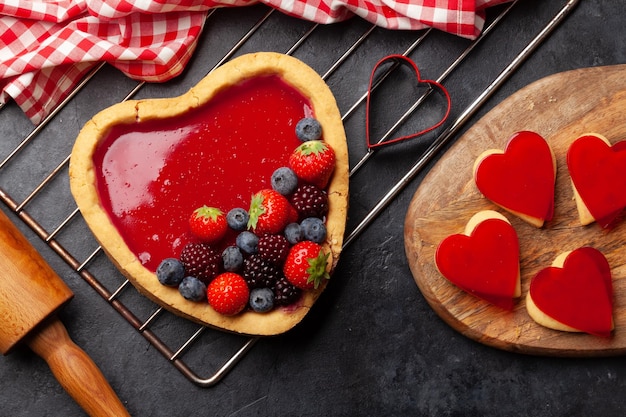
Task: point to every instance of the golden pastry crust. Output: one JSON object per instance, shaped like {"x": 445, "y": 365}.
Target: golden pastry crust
{"x": 83, "y": 184}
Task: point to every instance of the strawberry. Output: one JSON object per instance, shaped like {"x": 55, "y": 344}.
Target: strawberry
{"x": 228, "y": 293}
{"x": 269, "y": 212}
{"x": 313, "y": 162}
{"x": 208, "y": 223}
{"x": 306, "y": 264}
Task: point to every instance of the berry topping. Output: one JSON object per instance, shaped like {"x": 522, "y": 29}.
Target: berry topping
{"x": 208, "y": 223}
{"x": 308, "y": 128}
{"x": 170, "y": 272}
{"x": 293, "y": 233}
{"x": 237, "y": 219}
{"x": 274, "y": 248}
{"x": 284, "y": 180}
{"x": 313, "y": 229}
{"x": 269, "y": 212}
{"x": 228, "y": 293}
{"x": 313, "y": 162}
{"x": 232, "y": 259}
{"x": 261, "y": 300}
{"x": 285, "y": 292}
{"x": 191, "y": 288}
{"x": 306, "y": 265}
{"x": 201, "y": 261}
{"x": 259, "y": 272}
{"x": 247, "y": 242}
{"x": 310, "y": 201}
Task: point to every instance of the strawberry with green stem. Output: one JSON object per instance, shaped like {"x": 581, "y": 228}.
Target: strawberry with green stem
{"x": 306, "y": 265}
{"x": 208, "y": 223}
{"x": 313, "y": 162}
{"x": 269, "y": 212}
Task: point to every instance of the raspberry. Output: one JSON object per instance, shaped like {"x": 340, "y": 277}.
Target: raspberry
{"x": 310, "y": 201}
{"x": 274, "y": 248}
{"x": 201, "y": 261}
{"x": 285, "y": 293}
{"x": 258, "y": 272}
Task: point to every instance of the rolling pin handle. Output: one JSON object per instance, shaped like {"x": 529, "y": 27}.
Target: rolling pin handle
{"x": 75, "y": 370}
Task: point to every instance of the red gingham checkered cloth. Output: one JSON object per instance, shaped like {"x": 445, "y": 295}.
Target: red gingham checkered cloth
{"x": 47, "y": 46}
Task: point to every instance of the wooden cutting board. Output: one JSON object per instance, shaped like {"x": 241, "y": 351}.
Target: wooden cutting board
{"x": 560, "y": 107}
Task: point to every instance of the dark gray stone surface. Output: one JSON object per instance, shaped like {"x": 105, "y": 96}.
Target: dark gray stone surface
{"x": 371, "y": 346}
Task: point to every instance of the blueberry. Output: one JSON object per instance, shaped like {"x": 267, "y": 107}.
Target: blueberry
{"x": 293, "y": 233}
{"x": 170, "y": 272}
{"x": 232, "y": 258}
{"x": 247, "y": 242}
{"x": 313, "y": 229}
{"x": 192, "y": 289}
{"x": 237, "y": 219}
{"x": 261, "y": 300}
{"x": 308, "y": 129}
{"x": 284, "y": 180}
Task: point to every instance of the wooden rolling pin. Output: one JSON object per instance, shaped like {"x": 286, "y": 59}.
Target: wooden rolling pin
{"x": 30, "y": 295}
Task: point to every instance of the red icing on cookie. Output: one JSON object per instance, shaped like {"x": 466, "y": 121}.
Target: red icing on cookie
{"x": 485, "y": 263}
{"x": 522, "y": 178}
{"x": 580, "y": 294}
{"x": 153, "y": 175}
{"x": 598, "y": 172}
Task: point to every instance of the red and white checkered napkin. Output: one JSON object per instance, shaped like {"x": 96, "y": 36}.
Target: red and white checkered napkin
{"x": 47, "y": 46}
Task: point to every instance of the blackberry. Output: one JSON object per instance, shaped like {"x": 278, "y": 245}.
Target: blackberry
{"x": 259, "y": 272}
{"x": 274, "y": 248}
{"x": 310, "y": 201}
{"x": 285, "y": 293}
{"x": 201, "y": 261}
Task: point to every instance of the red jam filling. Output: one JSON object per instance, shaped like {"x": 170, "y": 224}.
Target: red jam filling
{"x": 485, "y": 264}
{"x": 522, "y": 178}
{"x": 151, "y": 175}
{"x": 579, "y": 294}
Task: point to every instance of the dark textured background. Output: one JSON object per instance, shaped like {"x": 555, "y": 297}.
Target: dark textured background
{"x": 371, "y": 346}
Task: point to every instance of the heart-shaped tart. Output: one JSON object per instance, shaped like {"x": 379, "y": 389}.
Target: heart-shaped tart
{"x": 520, "y": 178}
{"x": 140, "y": 168}
{"x": 484, "y": 259}
{"x": 598, "y": 174}
{"x": 575, "y": 294}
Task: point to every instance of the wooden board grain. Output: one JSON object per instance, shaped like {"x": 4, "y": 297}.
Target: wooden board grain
{"x": 560, "y": 107}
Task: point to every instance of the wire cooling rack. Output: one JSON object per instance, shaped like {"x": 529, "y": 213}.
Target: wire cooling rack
{"x": 44, "y": 150}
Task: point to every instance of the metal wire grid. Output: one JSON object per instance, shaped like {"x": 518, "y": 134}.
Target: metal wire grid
{"x": 126, "y": 300}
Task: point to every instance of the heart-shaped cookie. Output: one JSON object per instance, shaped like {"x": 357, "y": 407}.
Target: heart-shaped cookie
{"x": 434, "y": 85}
{"x": 520, "y": 178}
{"x": 598, "y": 174}
{"x": 139, "y": 168}
{"x": 484, "y": 259}
{"x": 575, "y": 294}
